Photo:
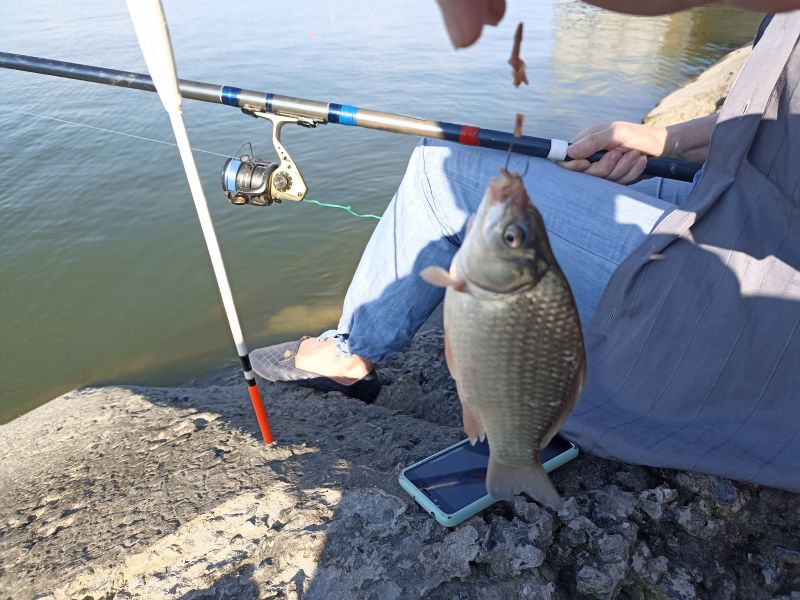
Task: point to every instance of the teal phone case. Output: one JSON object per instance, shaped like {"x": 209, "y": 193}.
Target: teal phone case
{"x": 451, "y": 520}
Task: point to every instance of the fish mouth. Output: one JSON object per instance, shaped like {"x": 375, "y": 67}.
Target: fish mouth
{"x": 508, "y": 186}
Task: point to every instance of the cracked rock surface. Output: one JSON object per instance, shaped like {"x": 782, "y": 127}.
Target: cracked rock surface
{"x": 123, "y": 492}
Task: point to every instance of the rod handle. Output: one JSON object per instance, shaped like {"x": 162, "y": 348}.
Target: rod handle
{"x": 663, "y": 167}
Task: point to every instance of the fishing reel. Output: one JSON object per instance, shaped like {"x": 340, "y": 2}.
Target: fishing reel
{"x": 251, "y": 180}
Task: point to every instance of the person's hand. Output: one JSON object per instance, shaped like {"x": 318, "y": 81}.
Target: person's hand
{"x": 627, "y": 147}
{"x": 465, "y": 19}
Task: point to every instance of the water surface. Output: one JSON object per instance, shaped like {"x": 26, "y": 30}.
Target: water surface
{"x": 104, "y": 276}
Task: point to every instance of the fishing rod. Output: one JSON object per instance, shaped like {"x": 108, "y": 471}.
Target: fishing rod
{"x": 310, "y": 113}
{"x": 151, "y": 31}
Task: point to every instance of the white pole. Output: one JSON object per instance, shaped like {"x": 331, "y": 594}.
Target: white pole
{"x": 153, "y": 35}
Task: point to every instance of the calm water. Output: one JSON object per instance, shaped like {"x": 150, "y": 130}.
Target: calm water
{"x": 103, "y": 273}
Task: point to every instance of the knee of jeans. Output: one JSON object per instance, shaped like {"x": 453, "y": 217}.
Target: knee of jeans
{"x": 418, "y": 188}
{"x": 432, "y": 154}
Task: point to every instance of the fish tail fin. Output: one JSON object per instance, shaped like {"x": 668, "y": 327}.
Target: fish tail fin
{"x": 503, "y": 482}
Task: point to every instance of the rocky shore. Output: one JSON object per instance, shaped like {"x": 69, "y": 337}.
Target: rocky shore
{"x": 125, "y": 492}
{"x": 704, "y": 95}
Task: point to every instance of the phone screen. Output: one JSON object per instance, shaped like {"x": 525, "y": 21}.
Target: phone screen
{"x": 457, "y": 478}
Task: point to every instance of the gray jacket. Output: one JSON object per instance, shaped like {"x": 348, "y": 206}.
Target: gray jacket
{"x": 694, "y": 351}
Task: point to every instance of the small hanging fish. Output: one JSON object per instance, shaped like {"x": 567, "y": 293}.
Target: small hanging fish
{"x": 517, "y": 64}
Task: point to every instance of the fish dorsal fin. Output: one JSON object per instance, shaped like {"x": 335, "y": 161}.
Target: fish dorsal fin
{"x": 439, "y": 277}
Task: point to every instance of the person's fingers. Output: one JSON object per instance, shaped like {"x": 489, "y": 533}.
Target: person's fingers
{"x": 625, "y": 164}
{"x": 604, "y": 166}
{"x": 464, "y": 19}
{"x": 495, "y": 9}
{"x": 578, "y": 165}
{"x": 635, "y": 172}
{"x": 602, "y": 138}
{"x": 587, "y": 131}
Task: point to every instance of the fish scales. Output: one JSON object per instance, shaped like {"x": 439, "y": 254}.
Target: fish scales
{"x": 514, "y": 355}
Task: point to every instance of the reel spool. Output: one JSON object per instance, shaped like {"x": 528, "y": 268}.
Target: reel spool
{"x": 247, "y": 180}
{"x": 250, "y": 180}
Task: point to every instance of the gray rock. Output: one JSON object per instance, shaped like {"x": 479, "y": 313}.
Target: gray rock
{"x": 610, "y": 503}
{"x": 678, "y": 585}
{"x": 577, "y": 532}
{"x": 389, "y": 590}
{"x": 153, "y": 492}
{"x": 701, "y": 96}
{"x": 652, "y": 501}
{"x": 696, "y": 519}
{"x": 631, "y": 478}
{"x": 614, "y": 548}
{"x": 647, "y": 566}
{"x": 510, "y": 550}
{"x": 772, "y": 575}
{"x": 570, "y": 510}
{"x": 788, "y": 555}
{"x": 531, "y": 590}
{"x": 600, "y": 582}
{"x": 449, "y": 558}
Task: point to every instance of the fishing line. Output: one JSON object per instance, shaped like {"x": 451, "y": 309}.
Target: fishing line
{"x": 131, "y": 135}
{"x": 346, "y": 208}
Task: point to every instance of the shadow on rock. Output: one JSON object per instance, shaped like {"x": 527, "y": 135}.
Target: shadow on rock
{"x": 229, "y": 586}
{"x": 156, "y": 492}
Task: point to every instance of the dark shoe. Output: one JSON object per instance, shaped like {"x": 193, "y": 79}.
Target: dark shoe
{"x": 276, "y": 363}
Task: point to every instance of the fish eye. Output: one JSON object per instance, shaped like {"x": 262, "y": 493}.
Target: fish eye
{"x": 514, "y": 236}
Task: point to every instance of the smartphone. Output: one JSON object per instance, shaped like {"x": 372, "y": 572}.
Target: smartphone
{"x": 451, "y": 484}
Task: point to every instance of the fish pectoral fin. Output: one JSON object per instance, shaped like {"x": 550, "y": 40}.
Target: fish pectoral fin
{"x": 473, "y": 424}
{"x": 439, "y": 277}
{"x": 503, "y": 482}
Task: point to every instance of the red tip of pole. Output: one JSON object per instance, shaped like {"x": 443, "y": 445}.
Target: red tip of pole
{"x": 261, "y": 413}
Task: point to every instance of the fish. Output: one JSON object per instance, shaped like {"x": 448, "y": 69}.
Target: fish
{"x": 517, "y": 64}
{"x": 513, "y": 338}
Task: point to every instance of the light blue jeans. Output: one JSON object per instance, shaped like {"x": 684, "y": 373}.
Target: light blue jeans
{"x": 593, "y": 225}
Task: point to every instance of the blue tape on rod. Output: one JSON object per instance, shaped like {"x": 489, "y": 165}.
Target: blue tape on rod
{"x": 268, "y": 102}
{"x": 344, "y": 114}
{"x": 230, "y": 95}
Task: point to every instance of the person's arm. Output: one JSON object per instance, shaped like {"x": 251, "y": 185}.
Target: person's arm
{"x": 690, "y": 140}
{"x": 628, "y": 145}
{"x": 465, "y": 19}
